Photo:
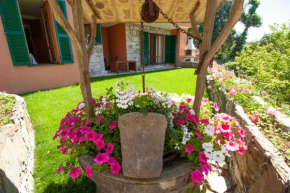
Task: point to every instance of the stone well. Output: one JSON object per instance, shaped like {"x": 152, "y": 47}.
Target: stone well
{"x": 174, "y": 179}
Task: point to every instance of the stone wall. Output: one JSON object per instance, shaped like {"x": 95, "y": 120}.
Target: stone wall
{"x": 97, "y": 64}
{"x": 17, "y": 152}
{"x": 133, "y": 39}
{"x": 260, "y": 169}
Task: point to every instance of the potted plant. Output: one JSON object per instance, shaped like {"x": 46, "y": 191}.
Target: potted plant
{"x": 175, "y": 129}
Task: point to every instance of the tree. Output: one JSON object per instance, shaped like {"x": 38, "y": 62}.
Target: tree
{"x": 250, "y": 19}
{"x": 235, "y": 42}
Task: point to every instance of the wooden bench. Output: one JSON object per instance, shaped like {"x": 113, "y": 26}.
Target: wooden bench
{"x": 126, "y": 66}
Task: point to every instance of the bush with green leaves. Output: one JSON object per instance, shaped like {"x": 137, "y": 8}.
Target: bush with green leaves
{"x": 267, "y": 62}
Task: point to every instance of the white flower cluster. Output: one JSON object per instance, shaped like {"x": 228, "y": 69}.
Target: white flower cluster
{"x": 186, "y": 134}
{"x": 209, "y": 130}
{"x": 164, "y": 99}
{"x": 124, "y": 97}
{"x": 101, "y": 108}
{"x": 178, "y": 99}
{"x": 216, "y": 156}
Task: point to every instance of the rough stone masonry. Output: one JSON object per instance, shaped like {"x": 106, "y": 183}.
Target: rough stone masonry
{"x": 17, "y": 152}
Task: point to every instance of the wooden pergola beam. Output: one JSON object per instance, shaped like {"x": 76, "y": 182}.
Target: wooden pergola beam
{"x": 193, "y": 20}
{"x": 232, "y": 20}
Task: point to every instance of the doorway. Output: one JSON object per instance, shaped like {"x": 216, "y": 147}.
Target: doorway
{"x": 156, "y": 49}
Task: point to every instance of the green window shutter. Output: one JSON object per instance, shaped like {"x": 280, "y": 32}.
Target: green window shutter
{"x": 64, "y": 42}
{"x": 146, "y": 47}
{"x": 14, "y": 32}
{"x": 170, "y": 49}
{"x": 98, "y": 39}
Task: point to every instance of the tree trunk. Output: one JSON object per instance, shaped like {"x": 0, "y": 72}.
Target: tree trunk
{"x": 83, "y": 60}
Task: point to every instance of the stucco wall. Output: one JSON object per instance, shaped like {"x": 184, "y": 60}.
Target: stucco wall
{"x": 20, "y": 79}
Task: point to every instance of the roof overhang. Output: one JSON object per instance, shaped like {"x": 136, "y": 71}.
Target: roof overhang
{"x": 127, "y": 11}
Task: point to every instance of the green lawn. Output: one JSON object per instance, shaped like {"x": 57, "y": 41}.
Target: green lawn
{"x": 46, "y": 108}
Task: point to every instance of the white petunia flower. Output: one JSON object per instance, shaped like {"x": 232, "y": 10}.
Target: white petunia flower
{"x": 208, "y": 154}
{"x": 218, "y": 157}
{"x": 209, "y": 130}
{"x": 82, "y": 105}
{"x": 207, "y": 146}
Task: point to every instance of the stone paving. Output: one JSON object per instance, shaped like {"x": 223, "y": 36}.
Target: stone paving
{"x": 147, "y": 69}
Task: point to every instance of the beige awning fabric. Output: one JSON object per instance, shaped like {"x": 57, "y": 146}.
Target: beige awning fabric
{"x": 126, "y": 11}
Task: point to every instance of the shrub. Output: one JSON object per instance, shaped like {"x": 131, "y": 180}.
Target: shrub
{"x": 267, "y": 62}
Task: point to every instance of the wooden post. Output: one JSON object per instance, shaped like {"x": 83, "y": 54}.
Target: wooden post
{"x": 210, "y": 11}
{"x": 77, "y": 36}
{"x": 206, "y": 44}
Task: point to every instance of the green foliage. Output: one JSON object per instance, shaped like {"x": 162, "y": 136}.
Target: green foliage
{"x": 6, "y": 106}
{"x": 267, "y": 62}
{"x": 235, "y": 42}
{"x": 250, "y": 19}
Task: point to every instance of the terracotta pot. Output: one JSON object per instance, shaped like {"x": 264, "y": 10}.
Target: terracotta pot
{"x": 142, "y": 144}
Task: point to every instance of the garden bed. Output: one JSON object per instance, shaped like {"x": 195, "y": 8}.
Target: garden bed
{"x": 6, "y": 106}
{"x": 261, "y": 168}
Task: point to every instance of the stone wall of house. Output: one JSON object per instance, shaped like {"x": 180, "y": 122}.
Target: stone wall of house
{"x": 17, "y": 152}
{"x": 261, "y": 169}
{"x": 97, "y": 64}
{"x": 133, "y": 39}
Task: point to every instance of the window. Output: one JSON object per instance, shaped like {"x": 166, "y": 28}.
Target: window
{"x": 32, "y": 33}
{"x": 98, "y": 39}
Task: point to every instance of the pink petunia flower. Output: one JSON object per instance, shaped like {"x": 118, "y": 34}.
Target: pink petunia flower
{"x": 61, "y": 167}
{"x": 208, "y": 87}
{"x": 110, "y": 148}
{"x": 115, "y": 168}
{"x": 204, "y": 167}
{"x": 100, "y": 144}
{"x": 190, "y": 117}
{"x": 91, "y": 135}
{"x": 202, "y": 157}
{"x": 189, "y": 149}
{"x": 197, "y": 176}
{"x": 180, "y": 122}
{"x": 225, "y": 128}
{"x": 111, "y": 161}
{"x": 255, "y": 117}
{"x": 113, "y": 125}
{"x": 216, "y": 107}
{"x": 231, "y": 146}
{"x": 232, "y": 92}
{"x": 101, "y": 158}
{"x": 75, "y": 172}
{"x": 89, "y": 172}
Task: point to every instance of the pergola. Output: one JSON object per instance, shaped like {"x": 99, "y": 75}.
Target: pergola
{"x": 125, "y": 11}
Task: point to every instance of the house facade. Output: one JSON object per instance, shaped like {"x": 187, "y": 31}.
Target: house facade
{"x": 37, "y": 54}
{"x": 163, "y": 44}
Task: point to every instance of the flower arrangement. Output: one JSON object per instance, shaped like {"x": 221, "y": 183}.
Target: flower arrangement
{"x": 202, "y": 141}
{"x": 244, "y": 93}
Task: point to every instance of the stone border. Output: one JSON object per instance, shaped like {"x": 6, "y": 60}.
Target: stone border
{"x": 260, "y": 169}
{"x": 17, "y": 151}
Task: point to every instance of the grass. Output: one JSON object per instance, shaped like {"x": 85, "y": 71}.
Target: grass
{"x": 46, "y": 108}
{"x": 6, "y": 107}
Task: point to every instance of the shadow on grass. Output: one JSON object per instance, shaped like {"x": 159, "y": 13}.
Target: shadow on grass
{"x": 80, "y": 185}
{"x": 102, "y": 78}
